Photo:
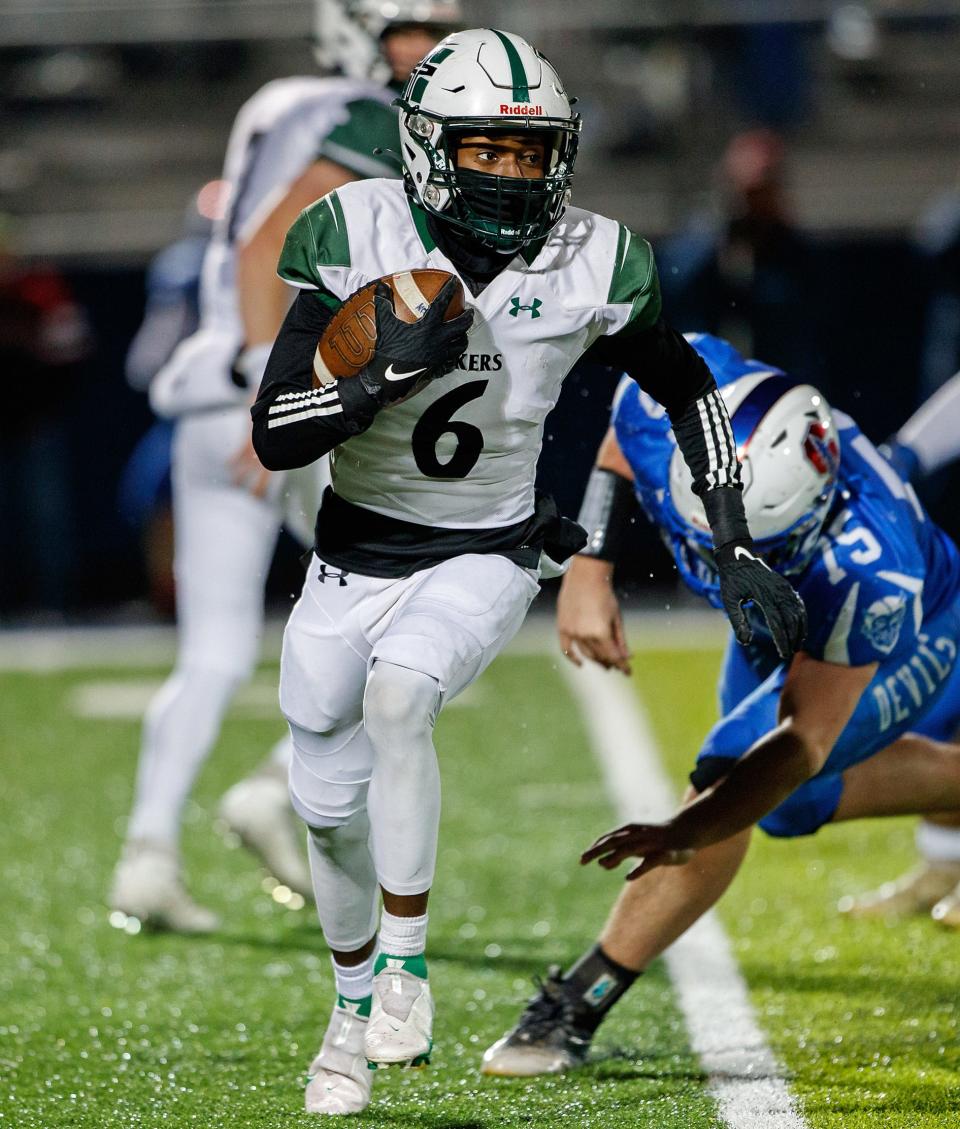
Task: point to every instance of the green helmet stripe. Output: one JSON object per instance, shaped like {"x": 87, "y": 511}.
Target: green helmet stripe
{"x": 427, "y": 67}
{"x": 521, "y": 88}
{"x": 419, "y": 88}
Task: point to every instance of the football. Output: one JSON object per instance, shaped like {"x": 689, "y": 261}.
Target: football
{"x": 348, "y": 343}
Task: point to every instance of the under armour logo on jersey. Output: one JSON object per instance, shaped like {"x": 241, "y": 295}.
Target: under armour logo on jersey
{"x": 533, "y": 309}
{"x": 326, "y": 574}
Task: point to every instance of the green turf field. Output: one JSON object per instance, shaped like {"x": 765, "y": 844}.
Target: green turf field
{"x": 100, "y": 1028}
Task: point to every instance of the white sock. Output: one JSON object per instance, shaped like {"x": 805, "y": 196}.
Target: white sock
{"x": 403, "y": 936}
{"x": 938, "y": 844}
{"x": 356, "y": 982}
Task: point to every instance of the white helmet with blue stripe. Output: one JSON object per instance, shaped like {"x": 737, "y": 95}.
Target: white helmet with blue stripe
{"x": 478, "y": 83}
{"x": 789, "y": 453}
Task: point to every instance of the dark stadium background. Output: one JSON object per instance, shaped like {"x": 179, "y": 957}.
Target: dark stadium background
{"x": 111, "y": 119}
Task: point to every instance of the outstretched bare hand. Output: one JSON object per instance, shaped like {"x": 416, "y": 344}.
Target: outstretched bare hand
{"x": 654, "y": 843}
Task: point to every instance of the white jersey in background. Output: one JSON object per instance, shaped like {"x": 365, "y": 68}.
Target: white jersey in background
{"x": 933, "y": 432}
{"x": 277, "y": 134}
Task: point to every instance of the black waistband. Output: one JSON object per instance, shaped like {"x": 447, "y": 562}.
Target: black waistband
{"x": 358, "y": 540}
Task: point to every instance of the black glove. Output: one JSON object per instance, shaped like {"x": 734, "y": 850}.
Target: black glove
{"x": 409, "y": 355}
{"x": 744, "y": 576}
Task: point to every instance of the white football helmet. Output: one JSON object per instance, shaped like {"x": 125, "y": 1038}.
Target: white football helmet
{"x": 789, "y": 453}
{"x": 347, "y": 33}
{"x": 480, "y": 82}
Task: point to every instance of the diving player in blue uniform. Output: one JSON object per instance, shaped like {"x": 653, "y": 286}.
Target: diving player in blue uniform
{"x": 856, "y": 725}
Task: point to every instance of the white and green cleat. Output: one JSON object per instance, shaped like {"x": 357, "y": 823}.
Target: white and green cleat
{"x": 400, "y": 1032}
{"x": 338, "y": 1081}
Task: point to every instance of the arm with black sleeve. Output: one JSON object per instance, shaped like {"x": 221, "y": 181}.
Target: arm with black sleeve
{"x": 670, "y": 370}
{"x": 295, "y": 423}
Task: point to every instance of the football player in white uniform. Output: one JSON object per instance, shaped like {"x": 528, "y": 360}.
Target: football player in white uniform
{"x": 927, "y": 442}
{"x": 430, "y": 540}
{"x": 293, "y": 140}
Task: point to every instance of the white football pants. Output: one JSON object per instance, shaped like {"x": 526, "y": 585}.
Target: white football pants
{"x": 367, "y": 663}
{"x": 224, "y": 542}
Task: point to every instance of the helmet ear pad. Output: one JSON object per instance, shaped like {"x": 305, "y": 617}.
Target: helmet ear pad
{"x": 789, "y": 453}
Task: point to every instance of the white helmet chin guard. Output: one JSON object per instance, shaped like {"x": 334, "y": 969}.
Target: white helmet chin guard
{"x": 483, "y": 82}
{"x": 789, "y": 453}
{"x": 347, "y": 33}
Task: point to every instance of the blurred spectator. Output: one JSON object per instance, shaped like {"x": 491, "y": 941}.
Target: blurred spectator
{"x": 744, "y": 272}
{"x": 44, "y": 337}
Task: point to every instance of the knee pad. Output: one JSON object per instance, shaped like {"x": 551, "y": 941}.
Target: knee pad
{"x": 329, "y": 775}
{"x": 399, "y": 702}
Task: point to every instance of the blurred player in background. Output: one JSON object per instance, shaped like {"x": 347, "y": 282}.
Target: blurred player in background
{"x": 293, "y": 141}
{"x": 172, "y": 314}
{"x": 926, "y": 443}
{"x": 852, "y": 728}
{"x": 430, "y": 543}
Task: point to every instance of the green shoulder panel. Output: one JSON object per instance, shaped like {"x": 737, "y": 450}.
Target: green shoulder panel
{"x": 635, "y": 282}
{"x": 370, "y": 125}
{"x": 318, "y": 238}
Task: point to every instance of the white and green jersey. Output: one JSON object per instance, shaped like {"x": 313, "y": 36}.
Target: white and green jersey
{"x": 462, "y": 453}
{"x": 276, "y": 136}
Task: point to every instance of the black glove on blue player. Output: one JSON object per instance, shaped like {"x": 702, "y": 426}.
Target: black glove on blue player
{"x": 745, "y": 577}
{"x": 409, "y": 355}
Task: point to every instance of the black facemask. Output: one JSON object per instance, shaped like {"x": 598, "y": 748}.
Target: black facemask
{"x": 506, "y": 200}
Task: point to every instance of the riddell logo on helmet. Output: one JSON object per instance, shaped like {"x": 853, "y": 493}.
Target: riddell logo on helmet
{"x": 522, "y": 110}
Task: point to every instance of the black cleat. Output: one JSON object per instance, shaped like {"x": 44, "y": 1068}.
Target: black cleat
{"x": 547, "y": 1040}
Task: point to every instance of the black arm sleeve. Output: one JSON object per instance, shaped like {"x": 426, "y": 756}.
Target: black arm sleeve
{"x": 294, "y": 423}
{"x": 669, "y": 369}
{"x": 662, "y": 362}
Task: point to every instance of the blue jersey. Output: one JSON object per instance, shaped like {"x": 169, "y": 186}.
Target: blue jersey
{"x": 881, "y": 569}
{"x": 882, "y": 587}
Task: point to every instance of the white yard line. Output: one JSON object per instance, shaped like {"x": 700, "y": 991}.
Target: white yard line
{"x": 51, "y": 648}
{"x": 126, "y": 699}
{"x": 744, "y": 1075}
